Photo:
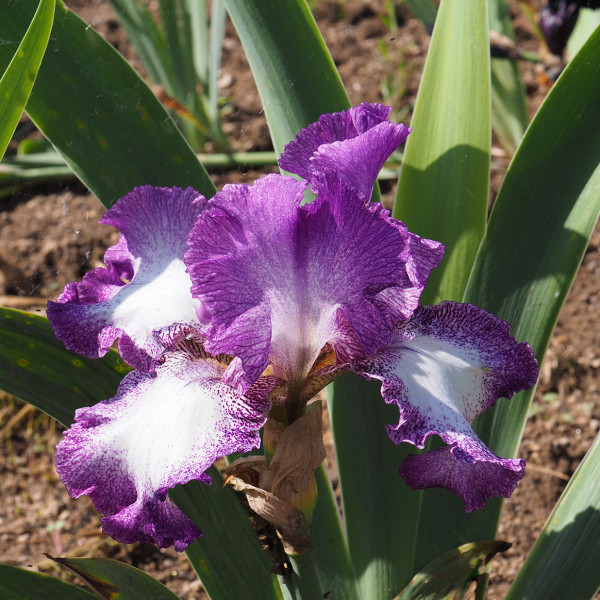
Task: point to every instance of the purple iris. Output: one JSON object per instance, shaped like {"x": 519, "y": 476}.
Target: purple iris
{"x": 253, "y": 300}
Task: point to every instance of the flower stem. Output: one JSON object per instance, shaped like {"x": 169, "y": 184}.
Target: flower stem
{"x": 306, "y": 576}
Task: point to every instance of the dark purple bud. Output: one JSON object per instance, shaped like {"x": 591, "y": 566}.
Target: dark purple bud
{"x": 557, "y": 20}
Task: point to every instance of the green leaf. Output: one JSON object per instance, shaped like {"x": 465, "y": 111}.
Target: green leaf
{"x": 228, "y": 558}
{"x": 541, "y": 224}
{"x": 98, "y": 112}
{"x": 424, "y": 10}
{"x": 114, "y": 580}
{"x": 444, "y": 183}
{"x": 445, "y": 152}
{"x": 379, "y": 509}
{"x": 37, "y": 368}
{"x": 336, "y": 572}
{"x": 148, "y": 40}
{"x": 564, "y": 560}
{"x": 19, "y": 584}
{"x": 538, "y": 231}
{"x": 509, "y": 108}
{"x": 294, "y": 91}
{"x": 452, "y": 574}
{"x": 18, "y": 79}
{"x": 587, "y": 22}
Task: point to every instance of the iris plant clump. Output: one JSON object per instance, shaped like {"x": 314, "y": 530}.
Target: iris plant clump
{"x": 240, "y": 308}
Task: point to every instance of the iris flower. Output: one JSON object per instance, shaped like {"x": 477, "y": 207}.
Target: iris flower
{"x": 246, "y": 305}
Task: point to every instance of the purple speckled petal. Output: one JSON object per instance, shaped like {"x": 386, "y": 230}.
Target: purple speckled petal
{"x": 90, "y": 315}
{"x": 443, "y": 367}
{"x": 352, "y": 145}
{"x": 281, "y": 280}
{"x": 160, "y": 430}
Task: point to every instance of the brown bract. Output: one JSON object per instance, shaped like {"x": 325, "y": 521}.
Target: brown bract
{"x": 283, "y": 490}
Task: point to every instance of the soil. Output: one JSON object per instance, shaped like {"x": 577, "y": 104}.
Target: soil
{"x": 49, "y": 236}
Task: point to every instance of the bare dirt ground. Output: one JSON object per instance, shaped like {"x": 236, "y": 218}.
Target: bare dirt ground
{"x": 49, "y": 236}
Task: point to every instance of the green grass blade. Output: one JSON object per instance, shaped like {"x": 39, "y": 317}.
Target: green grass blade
{"x": 198, "y": 11}
{"x": 294, "y": 91}
{"x": 509, "y": 109}
{"x": 444, "y": 182}
{"x": 564, "y": 560}
{"x": 99, "y": 114}
{"x": 538, "y": 231}
{"x": 37, "y": 368}
{"x": 19, "y": 584}
{"x": 176, "y": 25}
{"x": 18, "y": 79}
{"x": 218, "y": 18}
{"x": 147, "y": 39}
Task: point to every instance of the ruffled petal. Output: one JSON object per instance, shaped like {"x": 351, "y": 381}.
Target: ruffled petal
{"x": 89, "y": 316}
{"x": 281, "y": 280}
{"x": 352, "y": 145}
{"x": 443, "y": 367}
{"x": 159, "y": 431}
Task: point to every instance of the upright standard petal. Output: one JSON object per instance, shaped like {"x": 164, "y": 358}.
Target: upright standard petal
{"x": 144, "y": 288}
{"x": 443, "y": 367}
{"x": 353, "y": 145}
{"x": 281, "y": 280}
{"x": 160, "y": 430}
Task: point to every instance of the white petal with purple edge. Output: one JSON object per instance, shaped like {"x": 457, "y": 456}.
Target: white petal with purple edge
{"x": 443, "y": 367}
{"x": 281, "y": 280}
{"x": 89, "y": 316}
{"x": 160, "y": 430}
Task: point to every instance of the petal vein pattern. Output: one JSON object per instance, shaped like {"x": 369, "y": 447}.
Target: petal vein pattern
{"x": 281, "y": 280}
{"x": 89, "y": 316}
{"x": 444, "y": 367}
{"x": 161, "y": 429}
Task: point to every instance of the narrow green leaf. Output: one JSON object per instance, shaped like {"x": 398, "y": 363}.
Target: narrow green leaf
{"x": 278, "y": 36}
{"x": 336, "y": 572}
{"x": 18, "y": 79}
{"x": 369, "y": 470}
{"x": 538, "y": 231}
{"x": 37, "y": 368}
{"x": 564, "y": 560}
{"x": 452, "y": 575}
{"x": 541, "y": 224}
{"x": 177, "y": 30}
{"x": 587, "y": 22}
{"x": 218, "y": 18}
{"x": 98, "y": 112}
{"x": 114, "y": 580}
{"x": 509, "y": 109}
{"x": 424, "y": 10}
{"x": 148, "y": 40}
{"x": 228, "y": 558}
{"x": 197, "y": 9}
{"x": 19, "y": 584}
{"x": 444, "y": 182}
{"x": 379, "y": 509}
